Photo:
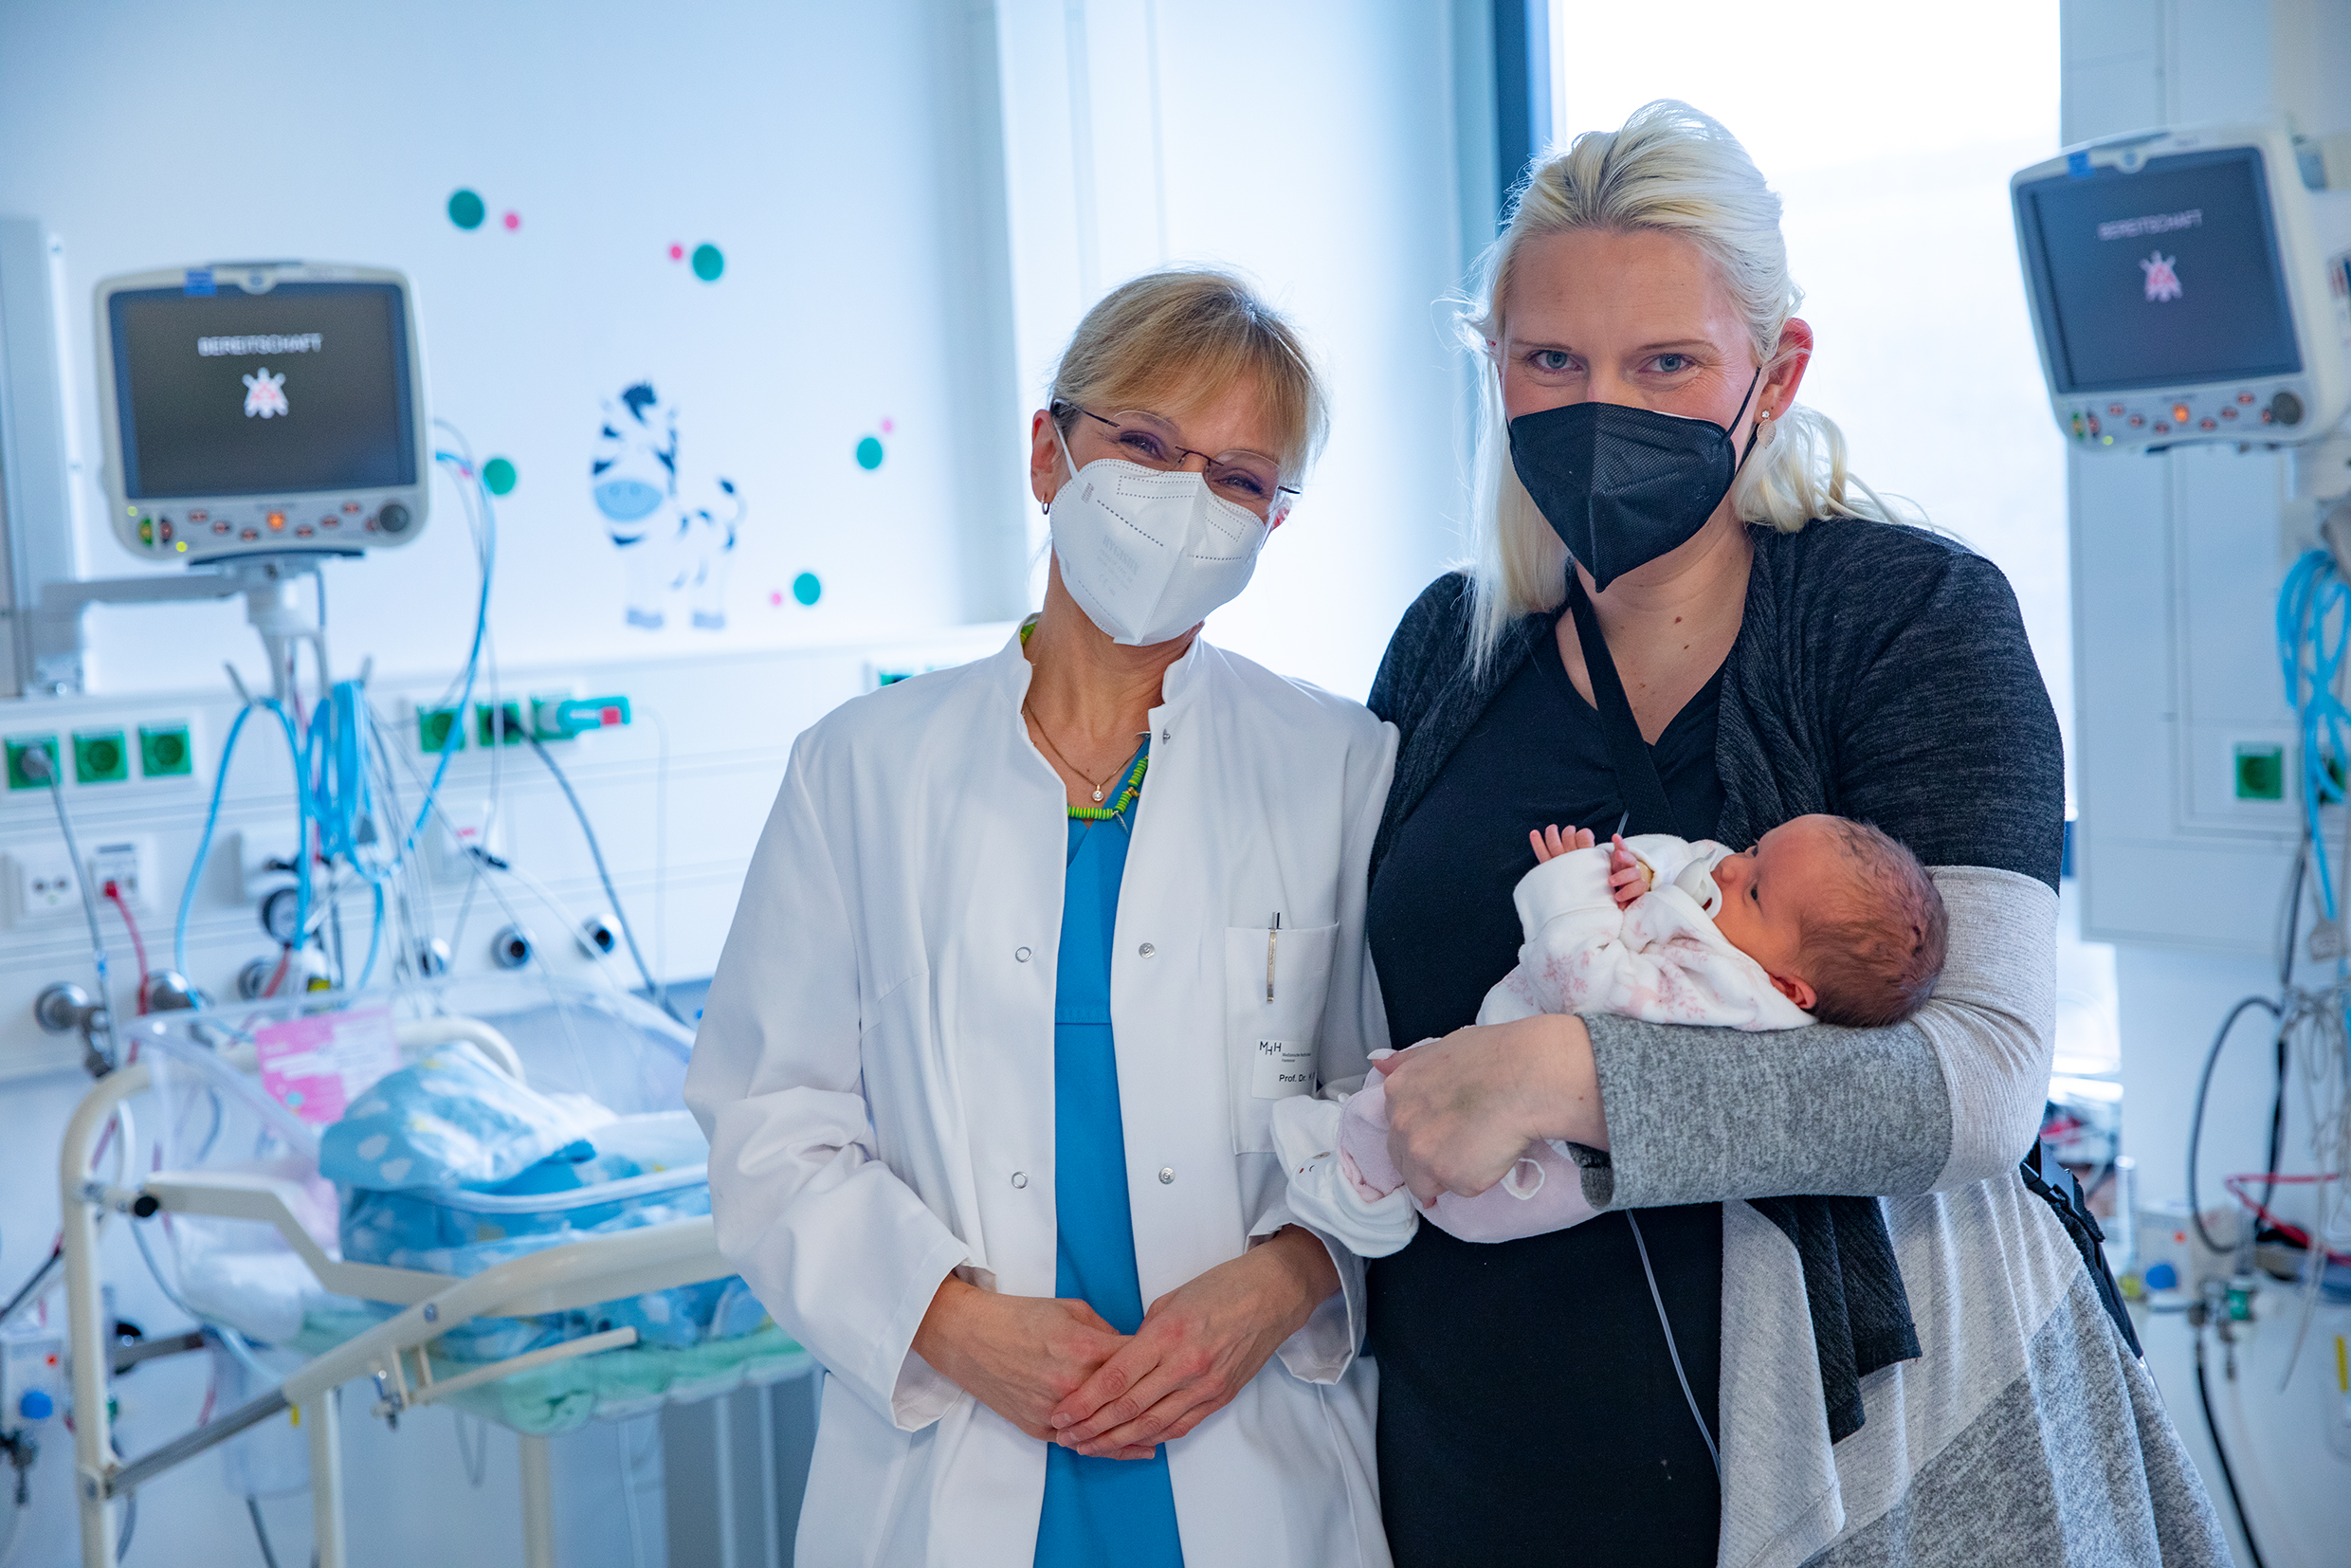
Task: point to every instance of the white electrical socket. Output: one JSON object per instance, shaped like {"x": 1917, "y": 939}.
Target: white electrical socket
{"x": 252, "y": 858}
{"x": 458, "y": 829}
{"x": 41, "y": 882}
{"x": 124, "y": 862}
{"x": 41, "y": 885}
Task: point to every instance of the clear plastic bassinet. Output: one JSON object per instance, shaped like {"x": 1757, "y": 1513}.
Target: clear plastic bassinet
{"x": 614, "y": 1064}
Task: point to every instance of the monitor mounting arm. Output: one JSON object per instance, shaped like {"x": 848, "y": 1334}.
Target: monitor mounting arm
{"x": 265, "y": 582}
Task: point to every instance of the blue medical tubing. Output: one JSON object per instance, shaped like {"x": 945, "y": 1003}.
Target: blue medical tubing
{"x": 212, "y": 820}
{"x": 473, "y": 659}
{"x": 2314, "y": 634}
{"x": 340, "y": 764}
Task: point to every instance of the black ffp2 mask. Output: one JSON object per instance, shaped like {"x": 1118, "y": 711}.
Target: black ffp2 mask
{"x": 1623, "y": 486}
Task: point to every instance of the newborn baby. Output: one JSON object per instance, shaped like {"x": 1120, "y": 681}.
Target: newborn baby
{"x": 1823, "y": 919}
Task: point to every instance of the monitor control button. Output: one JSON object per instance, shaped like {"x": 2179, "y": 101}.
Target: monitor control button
{"x": 2287, "y": 409}
{"x": 393, "y": 519}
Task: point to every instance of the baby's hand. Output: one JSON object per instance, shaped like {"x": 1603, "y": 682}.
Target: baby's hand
{"x": 1627, "y": 876}
{"x": 1550, "y": 844}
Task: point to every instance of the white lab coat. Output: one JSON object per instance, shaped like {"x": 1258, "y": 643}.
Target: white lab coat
{"x": 875, "y": 1069}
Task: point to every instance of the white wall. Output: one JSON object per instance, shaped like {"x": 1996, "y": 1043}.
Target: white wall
{"x": 827, "y": 151}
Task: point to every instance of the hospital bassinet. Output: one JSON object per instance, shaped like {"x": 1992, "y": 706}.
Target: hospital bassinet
{"x": 483, "y": 1192}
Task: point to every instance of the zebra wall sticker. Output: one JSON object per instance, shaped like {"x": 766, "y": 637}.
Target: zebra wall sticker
{"x": 677, "y": 538}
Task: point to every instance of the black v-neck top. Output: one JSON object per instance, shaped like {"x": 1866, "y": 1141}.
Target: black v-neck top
{"x": 1586, "y": 1452}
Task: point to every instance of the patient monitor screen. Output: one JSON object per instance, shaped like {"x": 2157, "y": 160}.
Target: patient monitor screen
{"x": 302, "y": 388}
{"x": 2167, "y": 277}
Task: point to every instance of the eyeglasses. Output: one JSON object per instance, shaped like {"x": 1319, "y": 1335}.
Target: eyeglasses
{"x": 1249, "y": 480}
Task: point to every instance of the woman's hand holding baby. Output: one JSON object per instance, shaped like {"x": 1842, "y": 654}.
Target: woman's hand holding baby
{"x": 1462, "y": 1110}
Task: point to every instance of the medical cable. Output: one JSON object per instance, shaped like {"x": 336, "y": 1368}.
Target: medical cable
{"x": 2203, "y": 1085}
{"x": 654, "y": 989}
{"x": 36, "y": 1286}
{"x": 36, "y": 765}
{"x": 138, "y": 948}
{"x": 1672, "y": 1349}
{"x": 465, "y": 470}
{"x": 261, "y": 1535}
{"x": 211, "y": 821}
{"x": 2220, "y": 1452}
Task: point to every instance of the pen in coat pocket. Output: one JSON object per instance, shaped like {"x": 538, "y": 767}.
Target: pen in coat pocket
{"x": 1273, "y": 935}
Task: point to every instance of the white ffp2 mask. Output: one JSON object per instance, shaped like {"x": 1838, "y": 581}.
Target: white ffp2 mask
{"x": 1148, "y": 554}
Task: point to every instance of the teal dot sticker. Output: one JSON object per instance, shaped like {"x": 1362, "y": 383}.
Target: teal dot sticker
{"x": 869, "y": 453}
{"x": 499, "y": 475}
{"x": 708, "y": 262}
{"x": 805, "y": 589}
{"x": 465, "y": 210}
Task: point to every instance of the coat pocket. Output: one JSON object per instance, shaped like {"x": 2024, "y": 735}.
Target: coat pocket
{"x": 1275, "y": 985}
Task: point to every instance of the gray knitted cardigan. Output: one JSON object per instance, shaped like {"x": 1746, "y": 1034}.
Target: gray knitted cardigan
{"x": 1883, "y": 673}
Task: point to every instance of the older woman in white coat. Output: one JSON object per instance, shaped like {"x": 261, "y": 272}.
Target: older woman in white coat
{"x": 1027, "y": 953}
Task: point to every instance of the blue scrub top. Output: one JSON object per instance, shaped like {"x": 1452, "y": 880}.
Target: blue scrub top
{"x": 1097, "y": 1512}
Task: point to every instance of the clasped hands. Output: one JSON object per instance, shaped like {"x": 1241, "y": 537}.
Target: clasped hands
{"x": 1058, "y": 1372}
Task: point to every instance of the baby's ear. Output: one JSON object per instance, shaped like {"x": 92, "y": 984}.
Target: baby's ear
{"x": 1795, "y": 990}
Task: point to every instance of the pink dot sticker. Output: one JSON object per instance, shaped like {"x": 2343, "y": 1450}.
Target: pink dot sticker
{"x": 776, "y": 597}
{"x": 887, "y": 427}
{"x": 513, "y": 221}
{"x": 677, "y": 253}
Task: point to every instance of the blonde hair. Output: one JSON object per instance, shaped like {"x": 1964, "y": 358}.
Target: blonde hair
{"x": 1170, "y": 337}
{"x": 1670, "y": 169}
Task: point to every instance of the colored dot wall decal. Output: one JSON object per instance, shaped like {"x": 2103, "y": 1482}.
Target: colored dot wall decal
{"x": 465, "y": 210}
{"x": 677, "y": 253}
{"x": 805, "y": 589}
{"x": 499, "y": 475}
{"x": 887, "y": 427}
{"x": 869, "y": 453}
{"x": 708, "y": 262}
{"x": 514, "y": 221}
{"x": 775, "y": 598}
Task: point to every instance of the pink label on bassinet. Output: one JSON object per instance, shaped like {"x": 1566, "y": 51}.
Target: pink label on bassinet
{"x": 316, "y": 1067}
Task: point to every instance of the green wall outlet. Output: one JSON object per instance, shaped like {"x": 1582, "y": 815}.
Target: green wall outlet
{"x": 164, "y": 752}
{"x": 516, "y": 729}
{"x": 2261, "y": 773}
{"x": 18, "y": 777}
{"x": 100, "y": 757}
{"x": 437, "y": 729}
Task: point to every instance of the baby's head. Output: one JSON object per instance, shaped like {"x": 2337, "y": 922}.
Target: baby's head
{"x": 1843, "y": 918}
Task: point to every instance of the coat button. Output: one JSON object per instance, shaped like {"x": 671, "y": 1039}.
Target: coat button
{"x": 1166, "y": 738}
{"x": 1020, "y": 1179}
{"x": 1146, "y": 950}
{"x": 1020, "y": 955}
{"x": 1166, "y": 1175}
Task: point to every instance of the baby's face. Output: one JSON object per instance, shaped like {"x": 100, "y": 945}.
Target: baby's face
{"x": 1798, "y": 865}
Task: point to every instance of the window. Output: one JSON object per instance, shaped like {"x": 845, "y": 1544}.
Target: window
{"x": 1891, "y": 133}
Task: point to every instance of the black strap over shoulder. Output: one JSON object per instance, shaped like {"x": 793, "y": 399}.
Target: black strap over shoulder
{"x": 1648, "y": 810}
{"x": 2064, "y": 1198}
{"x": 1853, "y": 1283}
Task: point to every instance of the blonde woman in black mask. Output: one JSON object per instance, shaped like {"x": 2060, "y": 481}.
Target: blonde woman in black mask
{"x": 1686, "y": 616}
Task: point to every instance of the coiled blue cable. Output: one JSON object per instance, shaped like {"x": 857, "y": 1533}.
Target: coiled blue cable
{"x": 2313, "y": 633}
{"x": 339, "y": 762}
